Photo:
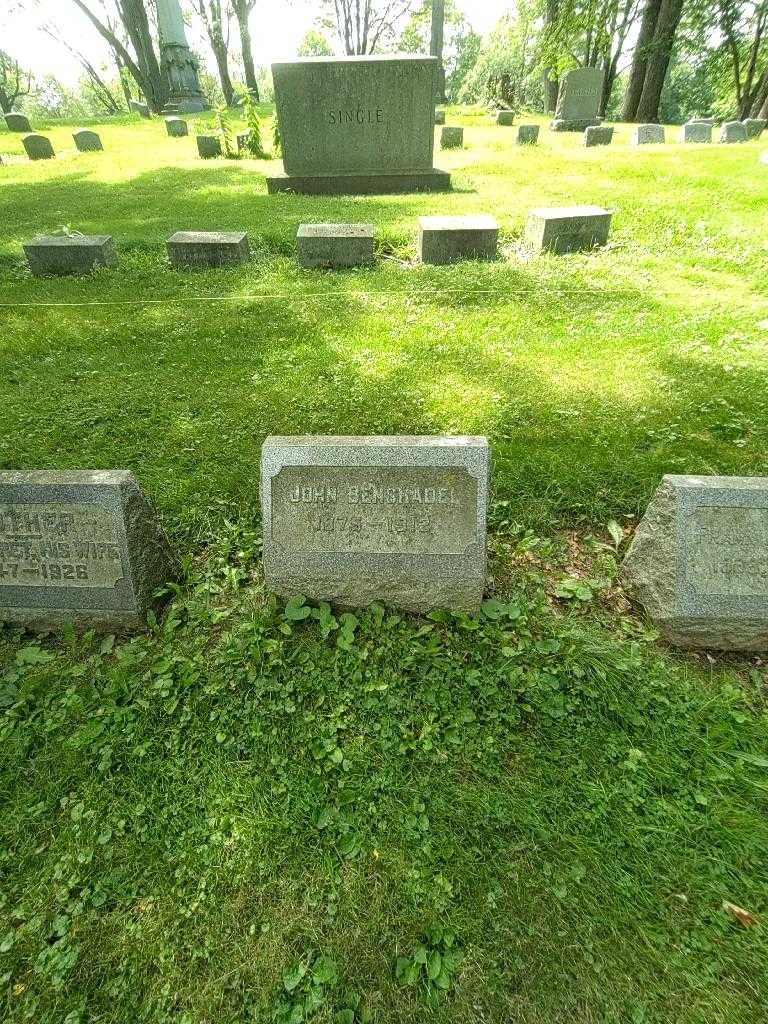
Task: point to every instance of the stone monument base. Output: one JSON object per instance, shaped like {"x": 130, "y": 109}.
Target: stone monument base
{"x": 360, "y": 184}
{"x": 561, "y": 125}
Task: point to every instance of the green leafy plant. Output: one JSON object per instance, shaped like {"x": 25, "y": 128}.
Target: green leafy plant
{"x": 254, "y": 144}
{"x": 277, "y": 138}
{"x": 224, "y": 127}
{"x": 311, "y": 988}
{"x": 432, "y": 965}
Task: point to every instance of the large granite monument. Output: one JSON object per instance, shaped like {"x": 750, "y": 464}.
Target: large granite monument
{"x": 578, "y": 100}
{"x": 178, "y": 64}
{"x": 357, "y": 125}
{"x": 360, "y": 519}
{"x": 80, "y": 547}
{"x": 699, "y": 561}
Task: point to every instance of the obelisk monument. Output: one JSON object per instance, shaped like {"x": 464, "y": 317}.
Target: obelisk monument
{"x": 176, "y": 60}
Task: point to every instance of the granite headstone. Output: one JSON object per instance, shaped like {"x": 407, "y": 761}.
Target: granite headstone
{"x": 16, "y": 122}
{"x": 648, "y": 135}
{"x": 69, "y": 254}
{"x": 578, "y": 100}
{"x": 87, "y": 141}
{"x": 38, "y": 147}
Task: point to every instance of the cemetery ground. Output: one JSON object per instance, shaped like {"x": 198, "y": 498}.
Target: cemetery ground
{"x": 265, "y": 812}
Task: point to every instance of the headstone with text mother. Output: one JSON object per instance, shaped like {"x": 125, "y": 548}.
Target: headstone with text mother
{"x": 357, "y": 125}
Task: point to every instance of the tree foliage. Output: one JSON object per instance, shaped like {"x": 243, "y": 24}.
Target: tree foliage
{"x": 15, "y": 82}
{"x": 461, "y": 45}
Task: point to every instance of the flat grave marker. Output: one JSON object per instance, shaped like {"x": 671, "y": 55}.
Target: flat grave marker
{"x": 598, "y": 135}
{"x": 449, "y": 239}
{"x": 69, "y": 254}
{"x": 189, "y": 250}
{"x": 562, "y": 229}
{"x": 335, "y": 245}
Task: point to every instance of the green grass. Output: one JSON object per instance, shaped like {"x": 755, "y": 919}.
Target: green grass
{"x": 191, "y": 818}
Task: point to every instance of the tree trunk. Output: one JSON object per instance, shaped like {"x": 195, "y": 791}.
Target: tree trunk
{"x": 551, "y": 82}
{"x": 219, "y": 48}
{"x": 5, "y": 103}
{"x": 658, "y": 60}
{"x": 134, "y": 16}
{"x": 242, "y": 11}
{"x": 760, "y": 97}
{"x": 640, "y": 60}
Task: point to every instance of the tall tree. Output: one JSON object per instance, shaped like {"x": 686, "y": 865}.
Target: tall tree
{"x": 243, "y": 10}
{"x": 365, "y": 25}
{"x": 215, "y": 18}
{"x": 658, "y": 28}
{"x": 15, "y": 82}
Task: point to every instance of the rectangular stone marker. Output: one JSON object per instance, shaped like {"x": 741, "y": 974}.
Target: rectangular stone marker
{"x": 648, "y": 134}
{"x": 78, "y": 547}
{"x": 448, "y": 239}
{"x": 527, "y": 134}
{"x": 176, "y": 127}
{"x": 16, "y": 122}
{"x": 505, "y": 118}
{"x": 38, "y": 147}
{"x": 699, "y": 561}
{"x": 754, "y": 127}
{"x": 598, "y": 135}
{"x": 192, "y": 249}
{"x": 69, "y": 254}
{"x": 733, "y": 131}
{"x": 359, "y": 519}
{"x": 357, "y": 125}
{"x": 578, "y": 100}
{"x": 209, "y": 146}
{"x": 335, "y": 245}
{"x": 452, "y": 137}
{"x": 561, "y": 229}
{"x": 243, "y": 140}
{"x": 696, "y": 131}
{"x": 87, "y": 141}
{"x": 439, "y": 117}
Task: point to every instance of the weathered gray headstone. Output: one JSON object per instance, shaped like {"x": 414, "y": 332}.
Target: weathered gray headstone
{"x": 699, "y": 561}
{"x": 176, "y": 127}
{"x": 648, "y": 135}
{"x": 16, "y": 122}
{"x": 452, "y": 137}
{"x": 359, "y": 519}
{"x": 439, "y": 117}
{"x": 598, "y": 135}
{"x": 69, "y": 254}
{"x": 209, "y": 146}
{"x": 138, "y": 107}
{"x": 79, "y": 547}
{"x": 733, "y": 131}
{"x": 243, "y": 140}
{"x": 335, "y": 245}
{"x": 357, "y": 125}
{"x": 448, "y": 239}
{"x": 754, "y": 127}
{"x": 505, "y": 118}
{"x": 561, "y": 229}
{"x": 578, "y": 100}
{"x": 38, "y": 147}
{"x": 192, "y": 249}
{"x": 696, "y": 131}
{"x": 87, "y": 141}
{"x": 527, "y": 134}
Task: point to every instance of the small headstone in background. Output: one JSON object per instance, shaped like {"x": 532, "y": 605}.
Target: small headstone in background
{"x": 243, "y": 140}
{"x": 733, "y": 131}
{"x": 505, "y": 118}
{"x": 193, "y": 249}
{"x": 209, "y": 146}
{"x": 359, "y": 519}
{"x": 598, "y": 135}
{"x": 87, "y": 141}
{"x": 16, "y": 122}
{"x": 702, "y": 120}
{"x": 696, "y": 131}
{"x": 452, "y": 137}
{"x": 38, "y": 147}
{"x": 527, "y": 134}
{"x": 78, "y": 547}
{"x": 578, "y": 100}
{"x": 335, "y": 245}
{"x": 561, "y": 229}
{"x": 69, "y": 254}
{"x": 754, "y": 127}
{"x": 176, "y": 127}
{"x": 439, "y": 117}
{"x": 448, "y": 239}
{"x": 648, "y": 135}
{"x": 139, "y": 107}
{"x": 699, "y": 562}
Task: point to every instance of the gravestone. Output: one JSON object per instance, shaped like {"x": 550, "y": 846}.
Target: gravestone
{"x": 16, "y": 122}
{"x": 78, "y": 547}
{"x": 193, "y": 249}
{"x": 505, "y": 118}
{"x": 648, "y": 135}
{"x": 452, "y": 138}
{"x": 38, "y": 147}
{"x": 87, "y": 141}
{"x": 754, "y": 127}
{"x": 527, "y": 134}
{"x": 439, "y": 117}
{"x": 561, "y": 229}
{"x": 359, "y": 519}
{"x": 699, "y": 562}
{"x": 357, "y": 125}
{"x": 578, "y": 100}
{"x": 696, "y": 131}
{"x": 598, "y": 135}
{"x": 69, "y": 254}
{"x": 243, "y": 140}
{"x": 448, "y": 239}
{"x": 733, "y": 131}
{"x": 138, "y": 107}
{"x": 176, "y": 127}
{"x": 335, "y": 245}
{"x": 209, "y": 146}
{"x": 702, "y": 120}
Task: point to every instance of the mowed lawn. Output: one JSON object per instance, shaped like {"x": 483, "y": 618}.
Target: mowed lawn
{"x": 535, "y": 815}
